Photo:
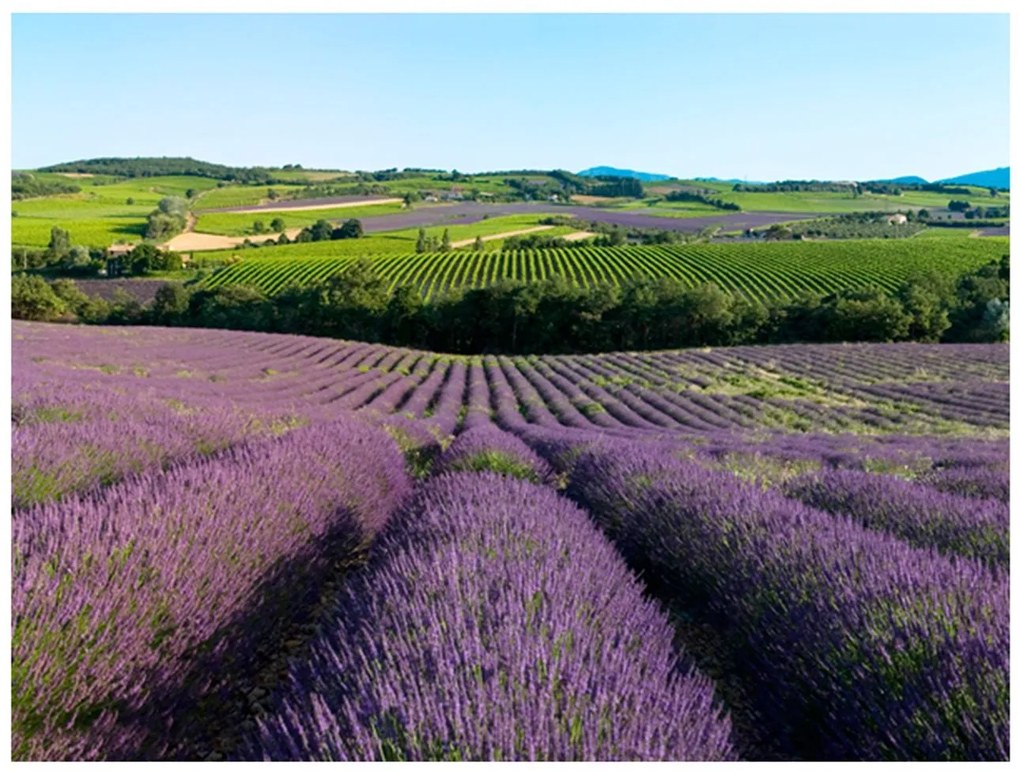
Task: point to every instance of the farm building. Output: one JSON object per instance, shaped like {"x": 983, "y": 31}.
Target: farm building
{"x": 897, "y": 219}
{"x": 115, "y": 258}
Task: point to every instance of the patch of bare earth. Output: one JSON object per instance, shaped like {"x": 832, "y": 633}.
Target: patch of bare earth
{"x": 345, "y": 205}
{"x": 200, "y": 242}
{"x": 589, "y": 199}
{"x": 498, "y": 236}
{"x": 580, "y": 235}
{"x": 75, "y": 174}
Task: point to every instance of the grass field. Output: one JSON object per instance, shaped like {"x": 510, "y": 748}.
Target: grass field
{"x": 841, "y": 202}
{"x": 99, "y": 215}
{"x": 240, "y": 224}
{"x": 390, "y": 242}
{"x": 240, "y": 195}
{"x": 756, "y": 271}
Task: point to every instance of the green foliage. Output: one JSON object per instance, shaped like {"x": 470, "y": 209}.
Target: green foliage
{"x": 146, "y": 258}
{"x": 33, "y": 299}
{"x": 60, "y": 242}
{"x": 25, "y": 185}
{"x": 981, "y": 311}
{"x": 350, "y": 229}
{"x": 499, "y": 462}
{"x": 762, "y": 273}
{"x": 157, "y": 167}
{"x": 555, "y": 316}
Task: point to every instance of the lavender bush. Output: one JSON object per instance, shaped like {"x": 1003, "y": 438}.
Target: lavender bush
{"x": 862, "y": 646}
{"x": 486, "y": 448}
{"x": 497, "y": 625}
{"x": 165, "y": 583}
{"x": 916, "y": 513}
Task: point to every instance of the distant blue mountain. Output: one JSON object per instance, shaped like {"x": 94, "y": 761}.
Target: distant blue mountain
{"x": 906, "y": 180}
{"x": 609, "y": 171}
{"x": 997, "y": 178}
{"x": 731, "y": 181}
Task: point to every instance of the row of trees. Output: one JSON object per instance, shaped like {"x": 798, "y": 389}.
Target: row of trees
{"x": 159, "y": 167}
{"x": 557, "y": 317}
{"x": 701, "y": 196}
{"x": 26, "y": 185}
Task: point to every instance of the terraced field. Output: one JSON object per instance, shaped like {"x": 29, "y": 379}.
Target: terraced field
{"x": 757, "y": 271}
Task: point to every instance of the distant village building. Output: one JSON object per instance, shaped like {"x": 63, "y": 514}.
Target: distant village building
{"x": 115, "y": 255}
{"x": 897, "y": 219}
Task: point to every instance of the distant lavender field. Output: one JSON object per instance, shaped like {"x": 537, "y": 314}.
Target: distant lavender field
{"x": 469, "y": 212}
{"x": 243, "y": 546}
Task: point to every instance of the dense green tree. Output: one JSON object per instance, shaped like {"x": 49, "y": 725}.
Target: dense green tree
{"x": 446, "y": 245}
{"x": 350, "y": 229}
{"x": 60, "y": 242}
{"x": 927, "y": 298}
{"x": 170, "y": 306}
{"x": 322, "y": 230}
{"x": 258, "y": 226}
{"x": 277, "y": 225}
{"x": 866, "y": 315}
{"x": 402, "y": 317}
{"x": 78, "y": 258}
{"x": 34, "y": 300}
{"x": 421, "y": 244}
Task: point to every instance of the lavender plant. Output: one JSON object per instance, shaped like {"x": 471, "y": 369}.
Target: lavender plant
{"x": 916, "y": 513}
{"x": 497, "y": 624}
{"x": 130, "y": 604}
{"x": 862, "y": 646}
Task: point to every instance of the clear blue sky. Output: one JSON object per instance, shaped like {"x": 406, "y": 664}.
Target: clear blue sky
{"x": 757, "y": 97}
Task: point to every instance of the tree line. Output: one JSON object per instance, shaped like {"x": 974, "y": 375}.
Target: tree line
{"x": 161, "y": 167}
{"x": 554, "y": 316}
{"x": 25, "y": 185}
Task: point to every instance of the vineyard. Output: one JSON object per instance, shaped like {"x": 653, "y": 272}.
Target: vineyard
{"x": 244, "y": 546}
{"x": 757, "y": 271}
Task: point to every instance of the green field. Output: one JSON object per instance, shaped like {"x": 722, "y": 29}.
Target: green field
{"x": 99, "y": 215}
{"x": 794, "y": 202}
{"x": 389, "y": 242}
{"x": 756, "y": 271}
{"x": 240, "y": 195}
{"x": 238, "y": 224}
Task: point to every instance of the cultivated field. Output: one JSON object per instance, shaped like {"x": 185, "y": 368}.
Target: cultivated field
{"x": 110, "y": 209}
{"x": 232, "y": 545}
{"x": 755, "y": 270}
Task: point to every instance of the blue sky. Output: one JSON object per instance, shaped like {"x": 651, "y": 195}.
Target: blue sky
{"x": 756, "y": 97}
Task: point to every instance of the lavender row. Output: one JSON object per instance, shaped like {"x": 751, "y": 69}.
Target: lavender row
{"x": 131, "y": 604}
{"x": 487, "y": 448}
{"x": 83, "y": 441}
{"x": 860, "y": 646}
{"x": 918, "y": 514}
{"x": 497, "y": 624}
{"x": 975, "y": 482}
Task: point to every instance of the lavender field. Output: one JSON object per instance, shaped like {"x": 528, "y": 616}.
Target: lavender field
{"x": 243, "y": 546}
